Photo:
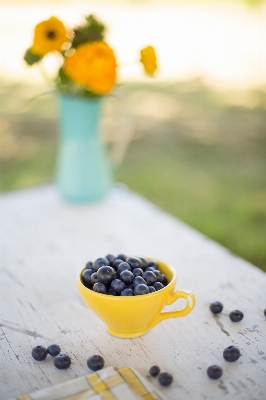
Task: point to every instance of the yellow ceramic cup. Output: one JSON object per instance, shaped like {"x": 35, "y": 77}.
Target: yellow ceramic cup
{"x": 132, "y": 316}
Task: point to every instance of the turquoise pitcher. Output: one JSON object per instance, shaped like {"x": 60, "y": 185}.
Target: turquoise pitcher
{"x": 84, "y": 169}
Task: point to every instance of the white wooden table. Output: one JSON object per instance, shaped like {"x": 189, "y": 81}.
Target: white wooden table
{"x": 44, "y": 242}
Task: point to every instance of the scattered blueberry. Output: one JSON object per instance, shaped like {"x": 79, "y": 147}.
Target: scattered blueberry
{"x": 122, "y": 257}
{"x": 265, "y": 312}
{"x": 151, "y": 289}
{"x": 99, "y": 287}
{"x": 117, "y": 262}
{"x": 216, "y": 307}
{"x": 141, "y": 289}
{"x": 154, "y": 370}
{"x": 127, "y": 292}
{"x": 117, "y": 285}
{"x": 158, "y": 286}
{"x": 89, "y": 265}
{"x": 100, "y": 262}
{"x": 94, "y": 278}
{"x": 105, "y": 274}
{"x": 95, "y": 363}
{"x": 137, "y": 271}
{"x": 62, "y": 361}
{"x": 126, "y": 276}
{"x": 236, "y": 315}
{"x": 123, "y": 266}
{"x": 110, "y": 258}
{"x": 39, "y": 353}
{"x": 86, "y": 276}
{"x": 134, "y": 262}
{"x": 231, "y": 354}
{"x": 165, "y": 379}
{"x": 149, "y": 277}
{"x": 54, "y": 350}
{"x": 153, "y": 264}
{"x": 214, "y": 372}
{"x": 139, "y": 280}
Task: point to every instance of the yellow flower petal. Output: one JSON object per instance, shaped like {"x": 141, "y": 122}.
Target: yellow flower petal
{"x": 93, "y": 65}
{"x": 49, "y": 36}
{"x": 148, "y": 59}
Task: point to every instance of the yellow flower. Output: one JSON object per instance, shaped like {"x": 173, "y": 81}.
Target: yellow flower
{"x": 148, "y": 59}
{"x": 93, "y": 65}
{"x": 49, "y": 35}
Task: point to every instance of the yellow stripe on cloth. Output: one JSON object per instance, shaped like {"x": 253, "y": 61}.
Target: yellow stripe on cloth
{"x": 107, "y": 395}
{"x": 24, "y": 397}
{"x": 133, "y": 381}
{"x": 113, "y": 381}
{"x": 96, "y": 383}
{"x": 151, "y": 396}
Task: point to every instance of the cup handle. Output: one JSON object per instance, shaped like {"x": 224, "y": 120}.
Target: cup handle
{"x": 178, "y": 294}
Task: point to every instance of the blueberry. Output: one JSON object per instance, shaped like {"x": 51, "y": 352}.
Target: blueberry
{"x": 54, "y": 350}
{"x": 236, "y": 316}
{"x": 150, "y": 269}
{"x": 117, "y": 262}
{"x": 86, "y": 276}
{"x": 134, "y": 262}
{"x": 151, "y": 289}
{"x": 265, "y": 312}
{"x": 164, "y": 280}
{"x": 137, "y": 271}
{"x": 231, "y": 353}
{"x": 158, "y": 286}
{"x": 158, "y": 275}
{"x": 39, "y": 353}
{"x": 123, "y": 266}
{"x": 99, "y": 287}
{"x": 89, "y": 265}
{"x": 127, "y": 277}
{"x": 144, "y": 263}
{"x": 216, "y": 307}
{"x": 154, "y": 370}
{"x": 165, "y": 379}
{"x": 141, "y": 289}
{"x": 105, "y": 274}
{"x": 153, "y": 264}
{"x": 127, "y": 292}
{"x": 214, "y": 372}
{"x": 110, "y": 258}
{"x": 149, "y": 277}
{"x": 111, "y": 292}
{"x": 62, "y": 361}
{"x": 139, "y": 280}
{"x": 122, "y": 257}
{"x": 95, "y": 363}
{"x": 94, "y": 278}
{"x": 100, "y": 262}
{"x": 117, "y": 285}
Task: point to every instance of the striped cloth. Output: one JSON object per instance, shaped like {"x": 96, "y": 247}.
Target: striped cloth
{"x": 106, "y": 384}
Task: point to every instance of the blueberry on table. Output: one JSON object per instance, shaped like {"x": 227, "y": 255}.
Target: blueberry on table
{"x": 231, "y": 354}
{"x": 141, "y": 289}
{"x": 158, "y": 286}
{"x": 86, "y": 276}
{"x": 123, "y": 266}
{"x": 100, "y": 262}
{"x": 94, "y": 278}
{"x": 89, "y": 264}
{"x": 122, "y": 257}
{"x": 39, "y": 353}
{"x": 151, "y": 289}
{"x": 153, "y": 264}
{"x": 117, "y": 285}
{"x": 117, "y": 262}
{"x": 149, "y": 277}
{"x": 127, "y": 292}
{"x": 265, "y": 312}
{"x": 95, "y": 363}
{"x": 99, "y": 287}
{"x": 214, "y": 372}
{"x": 236, "y": 315}
{"x": 110, "y": 258}
{"x": 62, "y": 361}
{"x": 154, "y": 370}
{"x": 137, "y": 271}
{"x": 105, "y": 274}
{"x": 134, "y": 262}
{"x": 126, "y": 276}
{"x": 53, "y": 350}
{"x": 216, "y": 307}
{"x": 165, "y": 379}
{"x": 139, "y": 280}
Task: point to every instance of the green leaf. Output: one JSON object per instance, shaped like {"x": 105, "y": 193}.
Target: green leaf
{"x": 64, "y": 80}
{"x": 31, "y": 58}
{"x": 91, "y": 31}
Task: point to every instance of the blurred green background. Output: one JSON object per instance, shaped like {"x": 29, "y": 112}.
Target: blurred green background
{"x": 198, "y": 152}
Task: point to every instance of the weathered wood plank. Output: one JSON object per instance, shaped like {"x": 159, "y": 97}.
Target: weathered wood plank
{"x": 44, "y": 242}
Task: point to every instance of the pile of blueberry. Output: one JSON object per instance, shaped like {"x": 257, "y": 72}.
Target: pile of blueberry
{"x": 165, "y": 379}
{"x": 123, "y": 276}
{"x": 61, "y": 360}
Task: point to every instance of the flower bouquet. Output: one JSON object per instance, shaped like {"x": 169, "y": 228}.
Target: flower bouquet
{"x": 87, "y": 72}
